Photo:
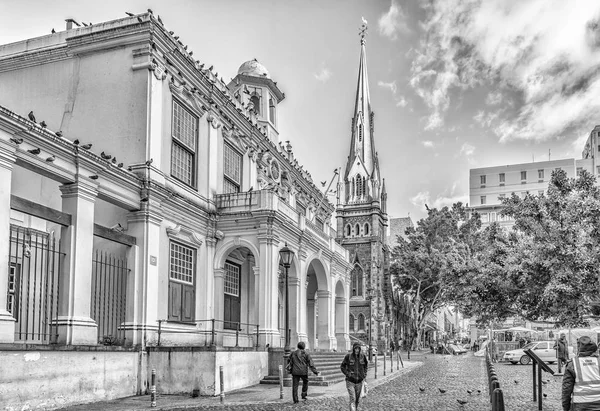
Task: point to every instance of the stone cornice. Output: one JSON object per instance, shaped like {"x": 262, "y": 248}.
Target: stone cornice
{"x": 179, "y": 232}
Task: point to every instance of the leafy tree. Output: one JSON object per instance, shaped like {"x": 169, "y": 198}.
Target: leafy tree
{"x": 429, "y": 266}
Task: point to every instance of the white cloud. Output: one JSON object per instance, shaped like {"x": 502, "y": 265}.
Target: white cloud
{"x": 393, "y": 88}
{"x": 547, "y": 53}
{"x": 392, "y": 22}
{"x": 485, "y": 119}
{"x": 324, "y": 75}
{"x": 427, "y": 144}
{"x": 446, "y": 198}
{"x": 467, "y": 150}
{"x": 493, "y": 98}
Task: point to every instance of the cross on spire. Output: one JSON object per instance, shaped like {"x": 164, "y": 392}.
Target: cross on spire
{"x": 362, "y": 32}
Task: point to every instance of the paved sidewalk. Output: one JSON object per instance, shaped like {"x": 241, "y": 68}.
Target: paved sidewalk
{"x": 254, "y": 395}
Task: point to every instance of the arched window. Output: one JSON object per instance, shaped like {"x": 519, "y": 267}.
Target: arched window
{"x": 361, "y": 322}
{"x": 364, "y": 186}
{"x": 367, "y": 229}
{"x": 272, "y": 110}
{"x": 357, "y": 230}
{"x": 351, "y": 326}
{"x": 352, "y": 189}
{"x": 256, "y": 101}
{"x": 348, "y": 230}
{"x": 359, "y": 185}
{"x": 357, "y": 282}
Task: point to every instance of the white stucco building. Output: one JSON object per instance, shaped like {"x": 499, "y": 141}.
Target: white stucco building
{"x": 144, "y": 209}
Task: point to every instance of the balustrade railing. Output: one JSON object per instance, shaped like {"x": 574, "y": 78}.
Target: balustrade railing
{"x": 209, "y": 333}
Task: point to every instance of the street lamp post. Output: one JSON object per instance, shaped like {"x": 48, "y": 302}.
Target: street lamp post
{"x": 286, "y": 255}
{"x": 370, "y": 297}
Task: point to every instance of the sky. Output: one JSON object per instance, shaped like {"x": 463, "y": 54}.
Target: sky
{"x": 454, "y": 84}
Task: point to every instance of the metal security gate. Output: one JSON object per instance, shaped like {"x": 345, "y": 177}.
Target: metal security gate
{"x": 109, "y": 297}
{"x": 34, "y": 268}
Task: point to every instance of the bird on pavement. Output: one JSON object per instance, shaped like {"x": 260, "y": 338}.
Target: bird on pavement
{"x": 470, "y": 391}
{"x": 35, "y": 151}
{"x": 516, "y": 382}
{"x": 545, "y": 395}
{"x": 478, "y": 391}
{"x": 421, "y": 389}
{"x": 87, "y": 146}
{"x": 462, "y": 402}
{"x": 31, "y": 116}
{"x": 16, "y": 140}
{"x": 51, "y": 159}
{"x": 442, "y": 390}
{"x": 544, "y": 382}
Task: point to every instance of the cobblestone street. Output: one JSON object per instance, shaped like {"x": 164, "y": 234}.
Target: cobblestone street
{"x": 516, "y": 382}
{"x": 455, "y": 374}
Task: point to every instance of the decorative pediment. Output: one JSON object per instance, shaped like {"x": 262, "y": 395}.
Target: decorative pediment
{"x": 179, "y": 232}
{"x": 193, "y": 100}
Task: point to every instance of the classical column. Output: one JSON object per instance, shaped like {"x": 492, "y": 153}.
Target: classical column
{"x": 302, "y": 317}
{"x": 75, "y": 326}
{"x": 257, "y": 299}
{"x": 341, "y": 323}
{"x": 268, "y": 289}
{"x": 311, "y": 329}
{"x": 7, "y": 160}
{"x": 294, "y": 286}
{"x": 324, "y": 328}
{"x": 219, "y": 302}
{"x": 144, "y": 308}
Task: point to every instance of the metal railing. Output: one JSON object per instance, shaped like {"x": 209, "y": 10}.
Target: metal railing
{"x": 209, "y": 331}
{"x": 33, "y": 284}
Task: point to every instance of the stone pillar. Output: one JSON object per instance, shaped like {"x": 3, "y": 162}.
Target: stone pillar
{"x": 219, "y": 303}
{"x": 268, "y": 289}
{"x": 311, "y": 329}
{"x": 205, "y": 296}
{"x": 294, "y": 284}
{"x": 7, "y": 160}
{"x": 302, "y": 316}
{"x": 75, "y": 327}
{"x": 257, "y": 299}
{"x": 326, "y": 339}
{"x": 132, "y": 310}
{"x": 145, "y": 226}
{"x": 341, "y": 324}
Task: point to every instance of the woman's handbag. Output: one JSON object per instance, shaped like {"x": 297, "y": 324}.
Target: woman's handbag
{"x": 364, "y": 390}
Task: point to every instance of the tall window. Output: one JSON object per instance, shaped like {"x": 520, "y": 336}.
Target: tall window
{"x": 256, "y": 102}
{"x": 367, "y": 229}
{"x": 231, "y": 288}
{"x": 351, "y": 325}
{"x": 357, "y": 282}
{"x": 357, "y": 230}
{"x": 483, "y": 200}
{"x": 523, "y": 175}
{"x": 359, "y": 183}
{"x": 348, "y": 230}
{"x": 541, "y": 174}
{"x": 184, "y": 140}
{"x": 361, "y": 322}
{"x": 502, "y": 177}
{"x": 232, "y": 170}
{"x": 482, "y": 180}
{"x": 360, "y": 131}
{"x": 182, "y": 265}
{"x": 272, "y": 112}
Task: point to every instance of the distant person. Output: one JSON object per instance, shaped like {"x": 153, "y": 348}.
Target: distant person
{"x": 354, "y": 367}
{"x": 495, "y": 351}
{"x": 521, "y": 342}
{"x": 392, "y": 347}
{"x": 562, "y": 350}
{"x": 298, "y": 365}
{"x": 581, "y": 386}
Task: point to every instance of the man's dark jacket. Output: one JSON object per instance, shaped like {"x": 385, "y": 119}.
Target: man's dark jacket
{"x": 300, "y": 361}
{"x": 569, "y": 382}
{"x": 355, "y": 366}
{"x": 563, "y": 349}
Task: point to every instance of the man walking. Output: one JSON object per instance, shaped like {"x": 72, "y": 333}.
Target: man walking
{"x": 298, "y": 365}
{"x": 354, "y": 367}
{"x": 562, "y": 350}
{"x": 581, "y": 383}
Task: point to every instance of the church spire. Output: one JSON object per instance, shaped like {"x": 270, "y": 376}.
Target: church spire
{"x": 362, "y": 160}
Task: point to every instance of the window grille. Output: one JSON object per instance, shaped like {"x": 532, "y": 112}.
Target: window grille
{"x": 231, "y": 283}
{"x": 232, "y": 170}
{"x": 182, "y": 263}
{"x": 183, "y": 152}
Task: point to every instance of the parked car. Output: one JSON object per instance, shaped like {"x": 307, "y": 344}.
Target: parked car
{"x": 542, "y": 349}
{"x": 456, "y": 349}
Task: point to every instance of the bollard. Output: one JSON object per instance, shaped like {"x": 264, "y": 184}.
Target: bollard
{"x": 491, "y": 386}
{"x": 222, "y": 384}
{"x": 375, "y": 366}
{"x": 384, "y": 363}
{"x": 153, "y": 389}
{"x": 495, "y": 384}
{"x": 498, "y": 400}
{"x": 281, "y": 382}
